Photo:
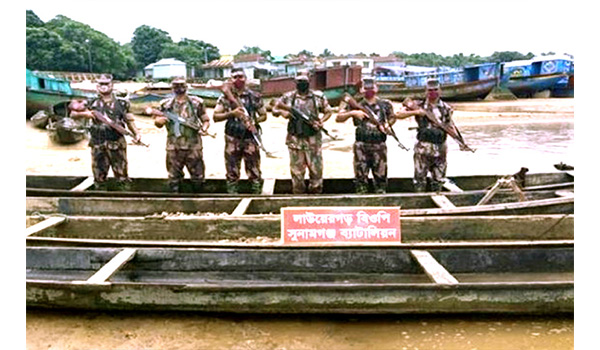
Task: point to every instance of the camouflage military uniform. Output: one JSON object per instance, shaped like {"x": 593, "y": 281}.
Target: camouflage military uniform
{"x": 185, "y": 150}
{"x": 239, "y": 143}
{"x": 304, "y": 142}
{"x": 431, "y": 149}
{"x": 370, "y": 149}
{"x": 108, "y": 147}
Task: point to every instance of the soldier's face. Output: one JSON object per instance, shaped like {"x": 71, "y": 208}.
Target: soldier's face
{"x": 239, "y": 80}
{"x": 179, "y": 89}
{"x": 105, "y": 88}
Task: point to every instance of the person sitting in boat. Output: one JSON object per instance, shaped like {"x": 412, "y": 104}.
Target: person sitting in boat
{"x": 243, "y": 116}
{"x": 304, "y": 139}
{"x": 434, "y": 120}
{"x": 108, "y": 146}
{"x": 370, "y": 149}
{"x": 184, "y": 142}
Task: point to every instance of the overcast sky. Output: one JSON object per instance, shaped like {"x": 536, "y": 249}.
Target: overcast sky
{"x": 443, "y": 27}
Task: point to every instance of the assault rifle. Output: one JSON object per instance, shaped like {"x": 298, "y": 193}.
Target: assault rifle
{"x": 104, "y": 119}
{"x": 355, "y": 105}
{"x": 451, "y": 130}
{"x": 247, "y": 120}
{"x": 299, "y": 115}
{"x": 177, "y": 120}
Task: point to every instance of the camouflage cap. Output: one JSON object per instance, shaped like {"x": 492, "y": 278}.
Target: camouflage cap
{"x": 433, "y": 83}
{"x": 368, "y": 83}
{"x": 303, "y": 75}
{"x": 178, "y": 80}
{"x": 104, "y": 79}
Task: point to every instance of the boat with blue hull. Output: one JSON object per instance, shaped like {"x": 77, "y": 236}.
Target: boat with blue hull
{"x": 463, "y": 84}
{"x": 554, "y": 73}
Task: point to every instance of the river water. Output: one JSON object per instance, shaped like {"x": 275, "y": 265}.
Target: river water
{"x": 501, "y": 147}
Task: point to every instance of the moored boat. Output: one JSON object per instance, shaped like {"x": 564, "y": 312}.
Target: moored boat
{"x": 412, "y": 204}
{"x": 176, "y": 230}
{"x": 525, "y": 78}
{"x": 466, "y": 84}
{"x": 44, "y": 90}
{"x": 55, "y": 185}
{"x": 508, "y": 277}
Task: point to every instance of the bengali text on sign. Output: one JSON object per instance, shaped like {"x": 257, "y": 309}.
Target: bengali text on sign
{"x": 340, "y": 225}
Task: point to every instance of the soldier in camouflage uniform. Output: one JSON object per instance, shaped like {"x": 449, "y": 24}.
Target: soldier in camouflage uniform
{"x": 239, "y": 142}
{"x": 108, "y": 147}
{"x": 184, "y": 150}
{"x": 370, "y": 149}
{"x": 303, "y": 139}
{"x": 430, "y": 149}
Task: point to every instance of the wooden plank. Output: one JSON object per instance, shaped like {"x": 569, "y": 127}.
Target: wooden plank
{"x": 110, "y": 268}
{"x": 242, "y": 206}
{"x": 442, "y": 201}
{"x": 84, "y": 185}
{"x": 436, "y": 272}
{"x": 268, "y": 186}
{"x": 491, "y": 192}
{"x": 451, "y": 186}
{"x": 565, "y": 193}
{"x": 46, "y": 224}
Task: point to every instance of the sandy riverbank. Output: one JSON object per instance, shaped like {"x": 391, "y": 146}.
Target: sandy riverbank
{"x": 58, "y": 330}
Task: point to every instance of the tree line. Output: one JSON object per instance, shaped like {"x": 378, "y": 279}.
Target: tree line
{"x": 63, "y": 44}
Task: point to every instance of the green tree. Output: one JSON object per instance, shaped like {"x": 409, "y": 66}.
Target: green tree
{"x": 148, "y": 43}
{"x": 326, "y": 53}
{"x": 33, "y": 20}
{"x": 255, "y": 50}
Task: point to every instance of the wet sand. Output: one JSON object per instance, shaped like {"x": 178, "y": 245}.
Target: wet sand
{"x": 100, "y": 330}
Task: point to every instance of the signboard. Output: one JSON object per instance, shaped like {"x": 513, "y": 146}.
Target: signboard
{"x": 340, "y": 225}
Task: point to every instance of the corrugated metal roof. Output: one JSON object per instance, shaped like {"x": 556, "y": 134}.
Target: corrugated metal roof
{"x": 223, "y": 62}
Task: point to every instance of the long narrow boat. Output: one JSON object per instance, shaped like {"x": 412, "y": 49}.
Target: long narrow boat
{"x": 44, "y": 90}
{"x": 509, "y": 277}
{"x": 71, "y": 186}
{"x": 186, "y": 230}
{"x": 412, "y": 204}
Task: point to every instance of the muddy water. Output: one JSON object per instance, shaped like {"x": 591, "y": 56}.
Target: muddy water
{"x": 503, "y": 144}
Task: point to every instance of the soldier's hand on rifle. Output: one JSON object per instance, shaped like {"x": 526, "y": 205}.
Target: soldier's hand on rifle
{"x": 360, "y": 115}
{"x": 160, "y": 121}
{"x": 317, "y": 124}
{"x": 239, "y": 113}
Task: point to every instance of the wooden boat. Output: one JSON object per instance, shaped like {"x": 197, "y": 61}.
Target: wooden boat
{"x": 508, "y": 277}
{"x": 524, "y": 78}
{"x": 67, "y": 131}
{"x": 413, "y": 204}
{"x": 43, "y": 90}
{"x": 189, "y": 230}
{"x": 527, "y": 86}
{"x": 467, "y": 84}
{"x": 43, "y": 185}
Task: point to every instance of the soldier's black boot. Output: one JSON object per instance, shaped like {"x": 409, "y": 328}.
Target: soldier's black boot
{"x": 232, "y": 187}
{"x": 174, "y": 187}
{"x": 256, "y": 187}
{"x": 100, "y": 186}
{"x": 197, "y": 186}
{"x": 419, "y": 186}
{"x": 361, "y": 188}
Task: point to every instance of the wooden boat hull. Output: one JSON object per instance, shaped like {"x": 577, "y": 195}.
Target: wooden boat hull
{"x": 526, "y": 86}
{"x": 498, "y": 278}
{"x": 45, "y": 100}
{"x": 456, "y": 92}
{"x": 43, "y": 185}
{"x": 423, "y": 204}
{"x": 185, "y": 230}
